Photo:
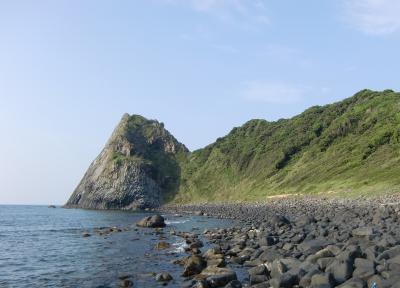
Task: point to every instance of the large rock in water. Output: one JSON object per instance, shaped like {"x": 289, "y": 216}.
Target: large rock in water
{"x": 155, "y": 221}
{"x": 137, "y": 169}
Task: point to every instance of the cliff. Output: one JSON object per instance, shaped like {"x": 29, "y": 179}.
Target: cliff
{"x": 137, "y": 168}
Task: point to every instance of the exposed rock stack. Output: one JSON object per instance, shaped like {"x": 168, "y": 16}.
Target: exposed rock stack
{"x": 136, "y": 169}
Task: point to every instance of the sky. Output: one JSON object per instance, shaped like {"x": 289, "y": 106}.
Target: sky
{"x": 69, "y": 69}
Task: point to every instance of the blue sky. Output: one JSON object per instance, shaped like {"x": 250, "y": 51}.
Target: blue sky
{"x": 69, "y": 69}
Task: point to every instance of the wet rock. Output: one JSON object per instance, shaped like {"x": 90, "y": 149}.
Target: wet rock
{"x": 234, "y": 284}
{"x": 213, "y": 253}
{"x": 256, "y": 279}
{"x": 126, "y": 283}
{"x": 195, "y": 244}
{"x": 218, "y": 277}
{"x": 200, "y": 284}
{"x": 155, "y": 221}
{"x": 258, "y": 270}
{"x": 163, "y": 277}
{"x": 162, "y": 245}
{"x": 86, "y": 235}
{"x": 124, "y": 276}
{"x": 194, "y": 265}
{"x": 218, "y": 262}
{"x": 194, "y": 250}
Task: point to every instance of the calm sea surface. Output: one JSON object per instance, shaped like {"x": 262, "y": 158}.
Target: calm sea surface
{"x": 44, "y": 247}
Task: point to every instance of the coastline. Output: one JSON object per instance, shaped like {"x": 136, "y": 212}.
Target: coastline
{"x": 308, "y": 241}
{"x": 289, "y": 206}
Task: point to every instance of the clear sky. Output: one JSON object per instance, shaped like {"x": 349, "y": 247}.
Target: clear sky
{"x": 69, "y": 69}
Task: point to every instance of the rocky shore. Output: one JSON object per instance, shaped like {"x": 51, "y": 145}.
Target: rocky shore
{"x": 298, "y": 242}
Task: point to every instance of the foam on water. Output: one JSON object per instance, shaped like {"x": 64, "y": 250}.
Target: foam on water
{"x": 179, "y": 246}
{"x": 170, "y": 222}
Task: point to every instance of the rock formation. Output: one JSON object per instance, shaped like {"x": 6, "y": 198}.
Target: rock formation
{"x": 136, "y": 169}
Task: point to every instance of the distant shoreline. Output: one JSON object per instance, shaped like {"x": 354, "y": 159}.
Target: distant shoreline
{"x": 280, "y": 205}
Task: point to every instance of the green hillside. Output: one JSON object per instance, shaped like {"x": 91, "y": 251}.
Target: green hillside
{"x": 347, "y": 148}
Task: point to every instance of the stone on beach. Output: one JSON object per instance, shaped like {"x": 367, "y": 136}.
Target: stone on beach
{"x": 155, "y": 221}
{"x": 307, "y": 243}
{"x": 193, "y": 265}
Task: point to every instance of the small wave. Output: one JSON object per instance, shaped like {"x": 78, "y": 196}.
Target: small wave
{"x": 169, "y": 222}
{"x": 179, "y": 247}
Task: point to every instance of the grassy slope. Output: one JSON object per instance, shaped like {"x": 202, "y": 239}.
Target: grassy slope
{"x": 347, "y": 148}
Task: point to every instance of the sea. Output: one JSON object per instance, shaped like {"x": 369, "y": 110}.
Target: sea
{"x": 45, "y": 247}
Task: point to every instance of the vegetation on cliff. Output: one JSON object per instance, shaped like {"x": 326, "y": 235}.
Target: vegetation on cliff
{"x": 349, "y": 147}
{"x": 153, "y": 146}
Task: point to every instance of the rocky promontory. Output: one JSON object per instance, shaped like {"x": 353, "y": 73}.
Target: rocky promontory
{"x": 136, "y": 169}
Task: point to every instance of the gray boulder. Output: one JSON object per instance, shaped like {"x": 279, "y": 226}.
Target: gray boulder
{"x": 163, "y": 277}
{"x": 193, "y": 265}
{"x": 341, "y": 271}
{"x": 322, "y": 281}
{"x": 155, "y": 221}
{"x": 364, "y": 268}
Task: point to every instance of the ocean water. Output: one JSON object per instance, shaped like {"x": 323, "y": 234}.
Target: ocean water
{"x": 44, "y": 247}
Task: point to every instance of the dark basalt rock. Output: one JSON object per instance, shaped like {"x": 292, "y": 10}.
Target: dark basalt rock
{"x": 155, "y": 221}
{"x": 336, "y": 245}
{"x": 218, "y": 277}
{"x": 163, "y": 277}
{"x": 126, "y": 283}
{"x": 234, "y": 284}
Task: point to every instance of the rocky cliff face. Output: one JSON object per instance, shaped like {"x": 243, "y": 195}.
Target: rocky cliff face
{"x": 137, "y": 168}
